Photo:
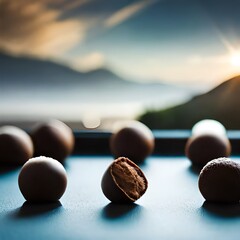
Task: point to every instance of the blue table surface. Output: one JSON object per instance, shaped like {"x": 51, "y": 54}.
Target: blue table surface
{"x": 172, "y": 207}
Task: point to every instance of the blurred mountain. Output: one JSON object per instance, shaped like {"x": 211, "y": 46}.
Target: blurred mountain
{"x": 221, "y": 103}
{"x": 33, "y": 87}
{"x": 25, "y": 76}
{"x": 26, "y": 70}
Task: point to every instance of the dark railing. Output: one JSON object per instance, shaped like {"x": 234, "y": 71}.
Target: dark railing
{"x": 167, "y": 142}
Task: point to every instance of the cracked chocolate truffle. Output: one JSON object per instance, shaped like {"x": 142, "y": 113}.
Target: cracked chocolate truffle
{"x": 53, "y": 139}
{"x": 123, "y": 181}
{"x": 201, "y": 149}
{"x": 15, "y": 146}
{"x": 219, "y": 181}
{"x": 134, "y": 140}
{"x": 42, "y": 179}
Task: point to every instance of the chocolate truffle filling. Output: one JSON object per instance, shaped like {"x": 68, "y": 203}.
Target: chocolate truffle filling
{"x": 128, "y": 179}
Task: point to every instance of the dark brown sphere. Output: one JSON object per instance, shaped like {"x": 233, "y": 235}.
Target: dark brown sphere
{"x": 42, "y": 179}
{"x": 53, "y": 139}
{"x": 219, "y": 181}
{"x": 123, "y": 181}
{"x": 135, "y": 141}
{"x": 203, "y": 148}
{"x": 15, "y": 146}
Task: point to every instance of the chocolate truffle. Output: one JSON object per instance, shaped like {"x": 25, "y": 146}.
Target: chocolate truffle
{"x": 15, "y": 146}
{"x": 42, "y": 179}
{"x": 134, "y": 140}
{"x": 201, "y": 149}
{"x": 53, "y": 139}
{"x": 219, "y": 181}
{"x": 123, "y": 181}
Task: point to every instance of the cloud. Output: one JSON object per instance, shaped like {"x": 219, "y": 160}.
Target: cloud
{"x": 34, "y": 28}
{"x": 125, "y": 13}
{"x": 74, "y": 4}
{"x": 89, "y": 62}
{"x": 41, "y": 28}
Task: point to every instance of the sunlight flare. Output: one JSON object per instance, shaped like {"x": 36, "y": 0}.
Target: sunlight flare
{"x": 235, "y": 60}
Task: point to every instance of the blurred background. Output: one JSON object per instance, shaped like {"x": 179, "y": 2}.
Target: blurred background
{"x": 90, "y": 63}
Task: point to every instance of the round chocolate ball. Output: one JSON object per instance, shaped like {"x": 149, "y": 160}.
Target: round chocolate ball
{"x": 133, "y": 140}
{"x": 42, "y": 179}
{"x": 15, "y": 146}
{"x": 53, "y": 139}
{"x": 219, "y": 181}
{"x": 207, "y": 126}
{"x": 123, "y": 181}
{"x": 201, "y": 149}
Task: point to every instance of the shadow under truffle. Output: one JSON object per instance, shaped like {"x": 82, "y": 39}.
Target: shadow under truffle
{"x": 221, "y": 209}
{"x": 117, "y": 211}
{"x": 29, "y": 209}
{"x": 193, "y": 169}
{"x": 4, "y": 168}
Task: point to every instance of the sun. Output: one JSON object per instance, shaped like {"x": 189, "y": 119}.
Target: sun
{"x": 235, "y": 60}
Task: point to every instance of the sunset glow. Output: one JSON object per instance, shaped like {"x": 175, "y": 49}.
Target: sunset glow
{"x": 235, "y": 60}
{"x": 140, "y": 40}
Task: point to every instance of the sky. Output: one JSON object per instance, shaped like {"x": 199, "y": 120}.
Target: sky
{"x": 176, "y": 41}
